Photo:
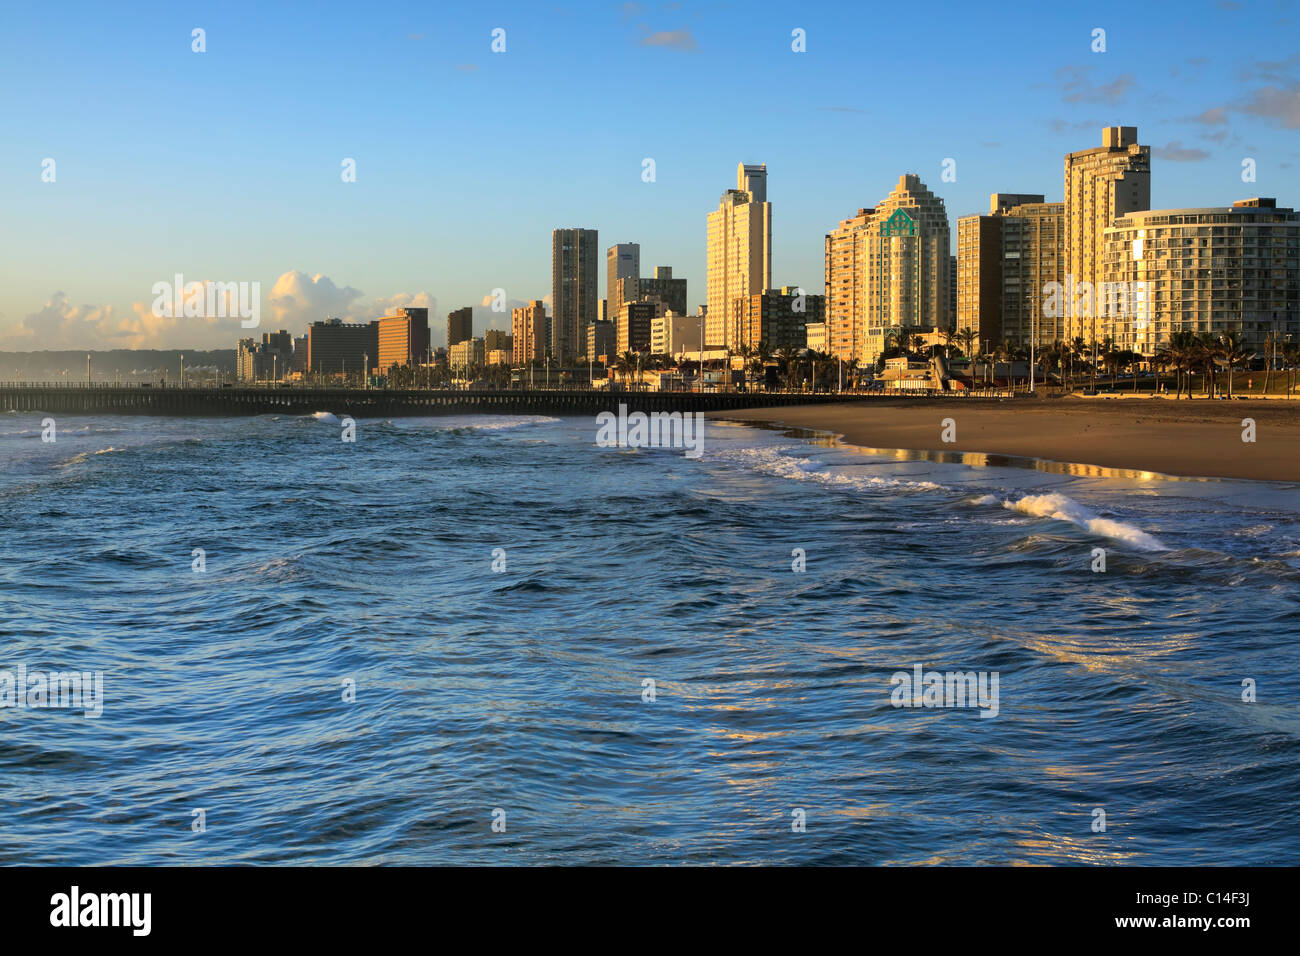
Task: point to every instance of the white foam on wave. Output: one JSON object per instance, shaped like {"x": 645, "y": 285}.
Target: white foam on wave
{"x": 772, "y": 460}
{"x": 500, "y": 424}
{"x": 329, "y": 418}
{"x": 1061, "y": 508}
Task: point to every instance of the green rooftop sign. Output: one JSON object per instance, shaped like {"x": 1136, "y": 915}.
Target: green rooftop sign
{"x": 899, "y": 224}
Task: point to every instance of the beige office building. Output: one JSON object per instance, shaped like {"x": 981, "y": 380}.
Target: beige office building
{"x": 1209, "y": 270}
{"x": 528, "y": 332}
{"x": 1005, "y": 260}
{"x": 674, "y": 333}
{"x": 739, "y": 252}
{"x": 1101, "y": 185}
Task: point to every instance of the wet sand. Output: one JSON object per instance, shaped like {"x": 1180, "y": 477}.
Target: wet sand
{"x": 1197, "y": 438}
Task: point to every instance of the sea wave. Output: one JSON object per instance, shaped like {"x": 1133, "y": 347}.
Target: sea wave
{"x": 1063, "y": 508}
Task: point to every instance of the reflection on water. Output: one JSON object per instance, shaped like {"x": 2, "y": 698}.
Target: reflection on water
{"x": 974, "y": 459}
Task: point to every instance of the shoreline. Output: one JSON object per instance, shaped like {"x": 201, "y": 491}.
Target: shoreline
{"x": 1186, "y": 439}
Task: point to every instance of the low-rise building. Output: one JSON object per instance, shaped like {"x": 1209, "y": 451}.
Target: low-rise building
{"x": 673, "y": 334}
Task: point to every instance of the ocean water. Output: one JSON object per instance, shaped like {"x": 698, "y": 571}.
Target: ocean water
{"x": 521, "y": 695}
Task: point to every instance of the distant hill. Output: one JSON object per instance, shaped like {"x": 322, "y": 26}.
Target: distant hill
{"x": 123, "y": 364}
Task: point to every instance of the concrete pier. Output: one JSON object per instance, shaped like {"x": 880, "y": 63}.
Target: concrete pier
{"x": 373, "y": 403}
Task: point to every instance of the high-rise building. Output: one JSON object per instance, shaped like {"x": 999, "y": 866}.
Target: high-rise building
{"x": 528, "y": 332}
{"x": 776, "y": 319}
{"x": 1005, "y": 262}
{"x": 888, "y": 268}
{"x": 403, "y": 339}
{"x": 846, "y": 285}
{"x": 574, "y": 290}
{"x": 1211, "y": 270}
{"x": 739, "y": 251}
{"x": 335, "y": 346}
{"x": 1101, "y": 184}
{"x": 622, "y": 261}
{"x": 496, "y": 339}
{"x": 460, "y": 326}
{"x": 906, "y": 267}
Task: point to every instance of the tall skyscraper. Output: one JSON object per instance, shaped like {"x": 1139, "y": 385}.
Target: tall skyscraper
{"x": 622, "y": 261}
{"x": 1101, "y": 185}
{"x": 460, "y": 326}
{"x": 574, "y": 290}
{"x": 1005, "y": 261}
{"x": 739, "y": 252}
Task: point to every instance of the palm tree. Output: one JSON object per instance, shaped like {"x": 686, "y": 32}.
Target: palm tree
{"x": 624, "y": 365}
{"x": 949, "y": 336}
{"x": 1291, "y": 356}
{"x": 1233, "y": 353}
{"x": 1208, "y": 350}
{"x": 786, "y": 356}
{"x": 967, "y": 337}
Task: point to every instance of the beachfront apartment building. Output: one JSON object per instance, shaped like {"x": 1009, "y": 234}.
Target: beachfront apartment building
{"x": 1005, "y": 261}
{"x": 846, "y": 284}
{"x": 1211, "y": 270}
{"x": 739, "y": 252}
{"x": 888, "y": 267}
{"x": 1101, "y": 185}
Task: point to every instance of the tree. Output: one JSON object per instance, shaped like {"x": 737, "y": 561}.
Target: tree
{"x": 1233, "y": 353}
{"x": 968, "y": 337}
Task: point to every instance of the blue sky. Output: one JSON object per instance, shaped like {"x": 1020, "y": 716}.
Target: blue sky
{"x": 225, "y": 165}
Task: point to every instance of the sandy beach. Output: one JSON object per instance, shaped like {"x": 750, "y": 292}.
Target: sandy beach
{"x": 1187, "y": 438}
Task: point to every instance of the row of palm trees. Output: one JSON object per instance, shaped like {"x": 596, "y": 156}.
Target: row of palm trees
{"x": 1187, "y": 354}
